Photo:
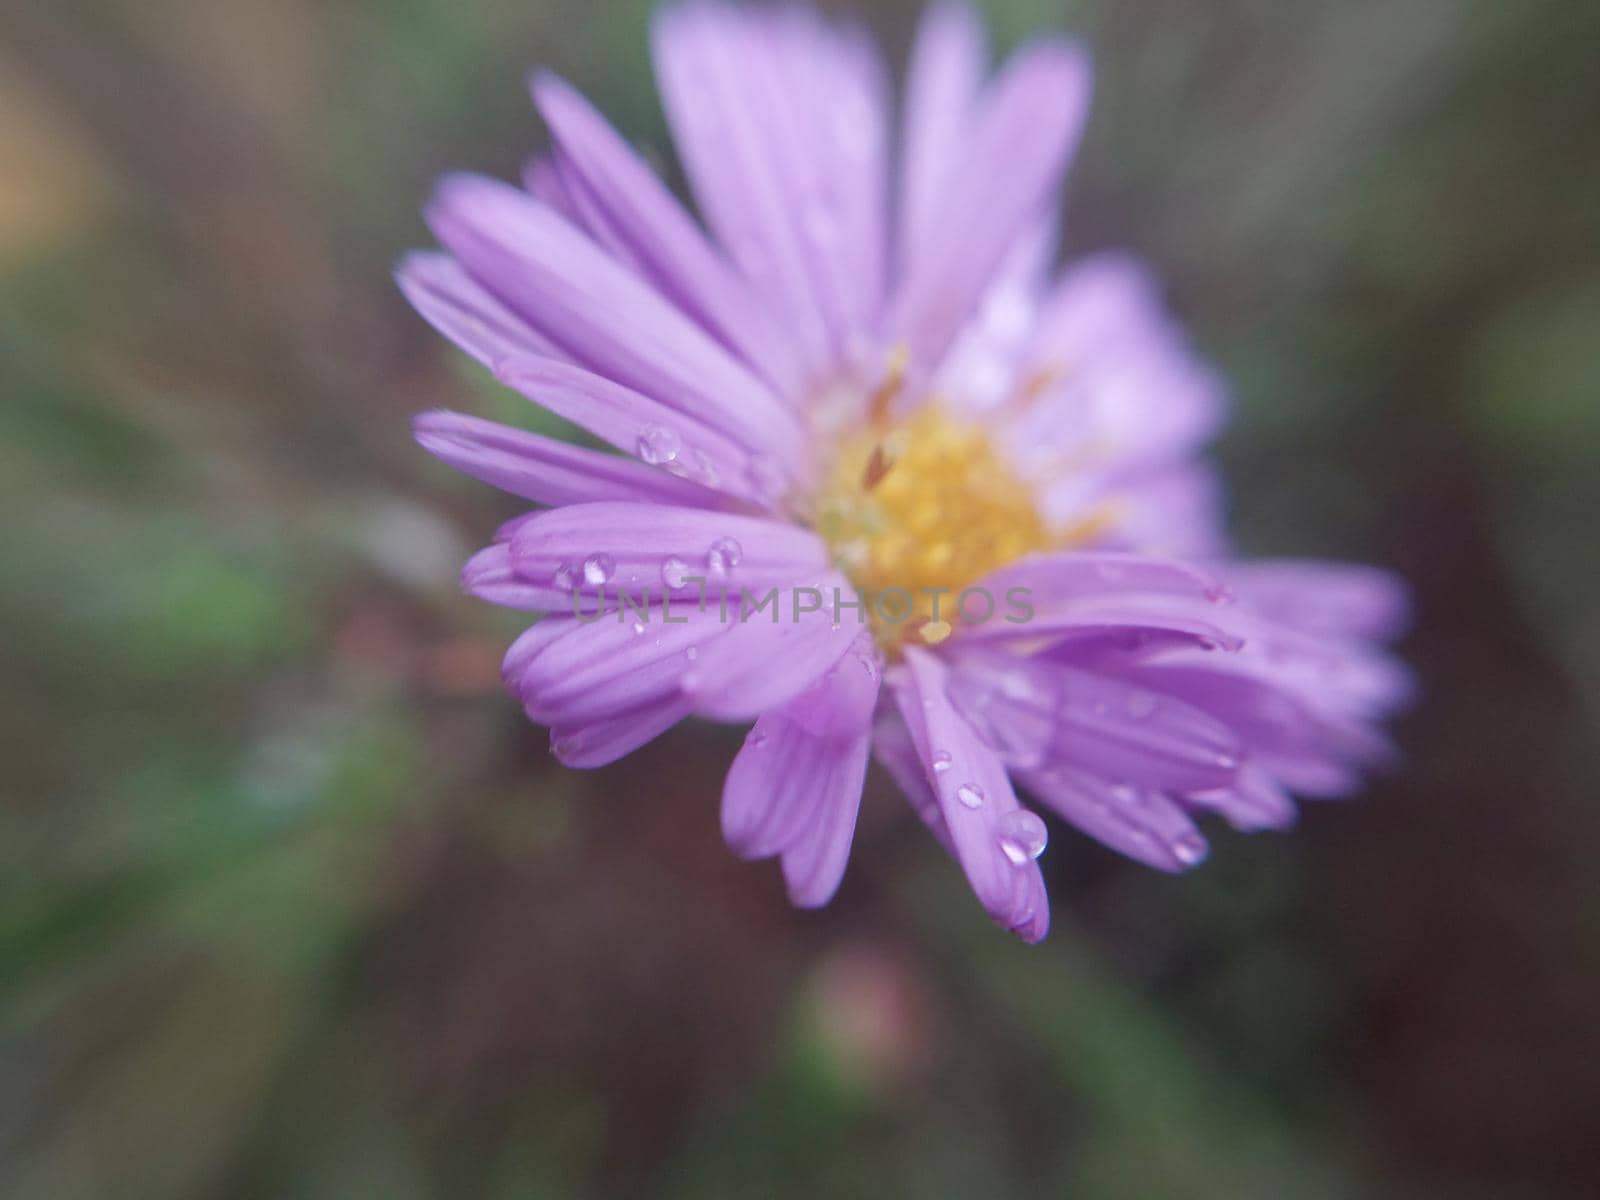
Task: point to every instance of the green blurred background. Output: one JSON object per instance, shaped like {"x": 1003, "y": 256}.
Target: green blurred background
{"x": 294, "y": 902}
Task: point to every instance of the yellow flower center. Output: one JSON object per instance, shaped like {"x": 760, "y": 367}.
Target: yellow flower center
{"x": 927, "y": 505}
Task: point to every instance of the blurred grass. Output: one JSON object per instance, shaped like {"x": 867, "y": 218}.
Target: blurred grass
{"x": 294, "y": 904}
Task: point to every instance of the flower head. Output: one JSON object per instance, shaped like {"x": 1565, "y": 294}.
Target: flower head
{"x": 889, "y": 485}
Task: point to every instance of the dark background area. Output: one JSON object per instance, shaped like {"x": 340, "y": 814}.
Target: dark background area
{"x": 295, "y": 904}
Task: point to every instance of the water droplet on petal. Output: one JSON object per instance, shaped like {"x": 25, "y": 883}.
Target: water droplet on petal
{"x": 674, "y": 572}
{"x": 970, "y": 795}
{"x": 1023, "y": 836}
{"x": 692, "y": 653}
{"x": 724, "y": 555}
{"x": 1190, "y": 848}
{"x": 756, "y": 740}
{"x": 638, "y": 627}
{"x": 942, "y": 761}
{"x": 565, "y": 577}
{"x": 598, "y": 569}
{"x": 659, "y": 445}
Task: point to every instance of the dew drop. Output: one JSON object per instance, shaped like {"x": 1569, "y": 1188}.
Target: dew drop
{"x": 942, "y": 761}
{"x": 1023, "y": 836}
{"x": 724, "y": 555}
{"x": 659, "y": 445}
{"x": 598, "y": 569}
{"x": 756, "y": 740}
{"x": 674, "y": 572}
{"x": 970, "y": 795}
{"x": 1190, "y": 848}
{"x": 638, "y": 627}
{"x": 565, "y": 577}
{"x": 692, "y": 653}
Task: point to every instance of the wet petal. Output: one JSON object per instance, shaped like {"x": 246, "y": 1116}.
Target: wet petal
{"x": 974, "y": 795}
{"x": 1253, "y": 803}
{"x": 602, "y": 742}
{"x": 1036, "y": 711}
{"x": 762, "y": 664}
{"x": 614, "y": 664}
{"x": 1145, "y": 824}
{"x": 1051, "y": 595}
{"x": 1325, "y": 597}
{"x": 459, "y": 307}
{"x": 654, "y": 549}
{"x": 546, "y": 471}
{"x": 719, "y": 95}
{"x": 603, "y": 315}
{"x": 944, "y": 82}
{"x": 631, "y": 202}
{"x": 1025, "y": 132}
{"x": 796, "y": 791}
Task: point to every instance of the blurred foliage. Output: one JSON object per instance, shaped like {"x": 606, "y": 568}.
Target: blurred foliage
{"x": 295, "y": 905}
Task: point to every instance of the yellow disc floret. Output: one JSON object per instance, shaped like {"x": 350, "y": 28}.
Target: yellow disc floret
{"x": 927, "y": 505}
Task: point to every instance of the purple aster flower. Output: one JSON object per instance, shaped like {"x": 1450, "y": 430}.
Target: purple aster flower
{"x": 970, "y": 482}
